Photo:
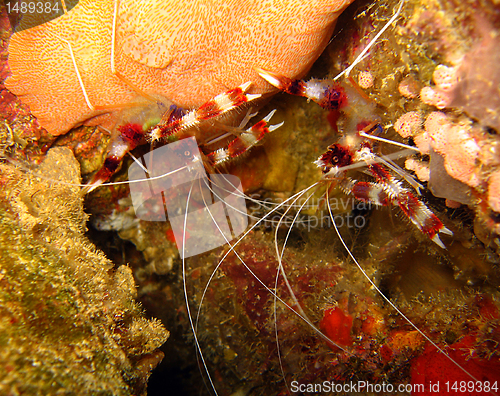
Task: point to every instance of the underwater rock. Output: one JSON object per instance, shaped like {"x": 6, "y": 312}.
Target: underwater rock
{"x": 68, "y": 320}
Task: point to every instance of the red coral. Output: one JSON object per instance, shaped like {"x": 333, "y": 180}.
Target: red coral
{"x": 432, "y": 367}
{"x": 337, "y": 326}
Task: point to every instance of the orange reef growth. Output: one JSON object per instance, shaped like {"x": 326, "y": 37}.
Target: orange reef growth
{"x": 204, "y": 47}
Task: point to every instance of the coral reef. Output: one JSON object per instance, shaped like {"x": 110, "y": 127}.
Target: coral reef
{"x": 68, "y": 320}
{"x": 423, "y": 83}
{"x": 452, "y": 45}
{"x": 239, "y": 319}
{"x": 450, "y": 295}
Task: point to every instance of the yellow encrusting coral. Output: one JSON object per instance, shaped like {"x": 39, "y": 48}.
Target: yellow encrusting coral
{"x": 68, "y": 320}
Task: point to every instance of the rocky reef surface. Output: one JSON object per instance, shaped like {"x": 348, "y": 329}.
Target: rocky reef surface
{"x": 68, "y": 320}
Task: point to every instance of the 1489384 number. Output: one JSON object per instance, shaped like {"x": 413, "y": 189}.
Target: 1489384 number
{"x": 471, "y": 386}
{"x": 32, "y": 7}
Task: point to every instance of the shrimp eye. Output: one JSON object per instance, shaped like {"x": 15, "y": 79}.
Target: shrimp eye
{"x": 187, "y": 153}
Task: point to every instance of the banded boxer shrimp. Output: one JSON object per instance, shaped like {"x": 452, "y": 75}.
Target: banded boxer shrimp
{"x": 379, "y": 341}
{"x": 404, "y": 346}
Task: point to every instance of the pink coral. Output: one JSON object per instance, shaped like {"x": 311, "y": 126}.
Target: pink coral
{"x": 436, "y": 126}
{"x": 461, "y": 168}
{"x": 455, "y": 143}
{"x": 421, "y": 169}
{"x": 462, "y": 148}
{"x": 445, "y": 78}
{"x": 442, "y": 95}
{"x": 423, "y": 142}
{"x": 409, "y": 88}
{"x": 365, "y": 79}
{"x": 436, "y": 97}
{"x": 494, "y": 192}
